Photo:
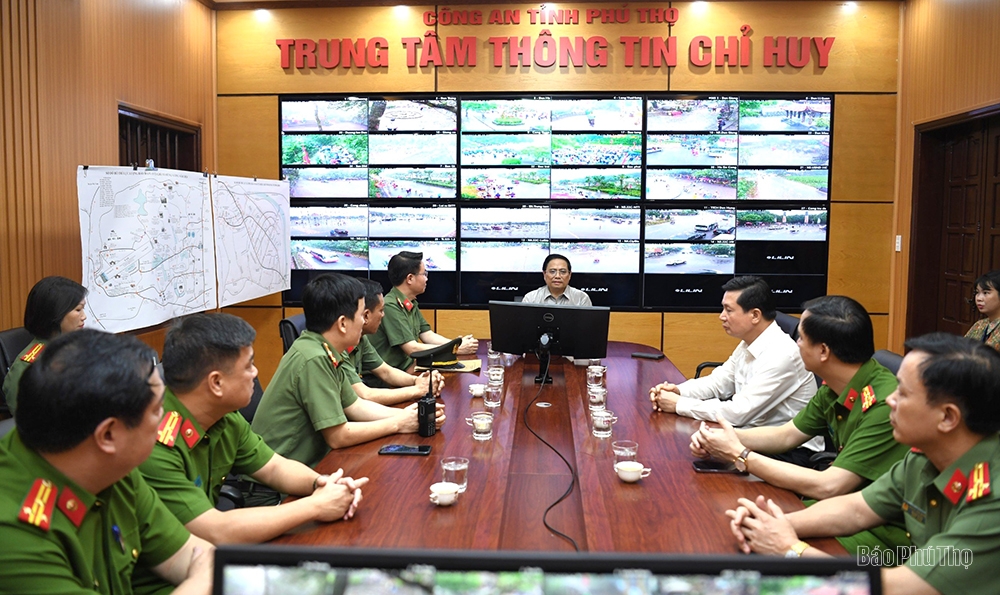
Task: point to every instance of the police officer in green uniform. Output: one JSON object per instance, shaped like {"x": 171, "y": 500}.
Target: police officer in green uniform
{"x": 404, "y": 329}
{"x": 836, "y": 342}
{"x": 948, "y": 409}
{"x": 55, "y": 305}
{"x": 370, "y": 376}
{"x": 75, "y": 514}
{"x": 309, "y": 407}
{"x": 209, "y": 370}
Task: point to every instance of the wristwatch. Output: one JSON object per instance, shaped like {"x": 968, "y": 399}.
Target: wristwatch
{"x": 796, "y": 550}
{"x": 741, "y": 461}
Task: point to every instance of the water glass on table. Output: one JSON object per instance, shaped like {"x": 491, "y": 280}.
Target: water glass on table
{"x": 456, "y": 471}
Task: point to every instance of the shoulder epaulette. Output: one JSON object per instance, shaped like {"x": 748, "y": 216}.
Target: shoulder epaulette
{"x": 32, "y": 355}
{"x": 170, "y": 426}
{"x": 979, "y": 482}
{"x": 867, "y": 397}
{"x": 39, "y": 504}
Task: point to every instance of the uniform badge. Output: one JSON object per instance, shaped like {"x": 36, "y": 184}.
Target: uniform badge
{"x": 956, "y": 486}
{"x": 979, "y": 482}
{"x": 329, "y": 353}
{"x": 32, "y": 355}
{"x": 72, "y": 507}
{"x": 867, "y": 397}
{"x": 190, "y": 435}
{"x": 852, "y": 396}
{"x": 918, "y": 515}
{"x": 351, "y": 349}
{"x": 39, "y": 504}
{"x": 169, "y": 427}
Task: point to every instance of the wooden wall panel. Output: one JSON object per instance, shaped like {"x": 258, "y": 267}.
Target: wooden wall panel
{"x": 863, "y": 56}
{"x": 267, "y": 348}
{"x": 458, "y": 323}
{"x": 861, "y": 247}
{"x": 66, "y": 66}
{"x": 248, "y": 136}
{"x": 864, "y": 148}
{"x": 689, "y": 339}
{"x": 644, "y": 328}
{"x": 250, "y": 61}
{"x": 947, "y": 67}
{"x": 880, "y": 328}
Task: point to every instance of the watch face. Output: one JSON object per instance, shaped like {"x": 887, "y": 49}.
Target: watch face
{"x": 740, "y": 464}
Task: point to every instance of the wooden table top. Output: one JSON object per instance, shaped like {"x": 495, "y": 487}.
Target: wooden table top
{"x": 514, "y": 477}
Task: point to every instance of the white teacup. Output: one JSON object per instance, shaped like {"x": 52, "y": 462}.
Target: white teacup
{"x": 444, "y": 493}
{"x": 631, "y": 471}
{"x": 476, "y": 390}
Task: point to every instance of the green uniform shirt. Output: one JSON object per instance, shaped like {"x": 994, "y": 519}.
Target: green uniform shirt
{"x": 398, "y": 327}
{"x": 863, "y": 438}
{"x": 123, "y": 527}
{"x": 17, "y": 369}
{"x": 189, "y": 478}
{"x": 362, "y": 360}
{"x": 957, "y": 544}
{"x": 308, "y": 393}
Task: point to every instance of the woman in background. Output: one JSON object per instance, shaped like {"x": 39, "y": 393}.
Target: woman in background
{"x": 988, "y": 304}
{"x": 55, "y": 306}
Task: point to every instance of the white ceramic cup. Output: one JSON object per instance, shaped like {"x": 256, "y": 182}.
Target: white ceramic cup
{"x": 476, "y": 390}
{"x": 631, "y": 471}
{"x": 444, "y": 493}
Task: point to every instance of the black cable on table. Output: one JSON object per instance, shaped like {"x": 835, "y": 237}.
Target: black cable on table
{"x": 573, "y": 480}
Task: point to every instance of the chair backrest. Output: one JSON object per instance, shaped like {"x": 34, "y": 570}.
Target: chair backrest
{"x": 789, "y": 324}
{"x": 290, "y": 328}
{"x": 888, "y": 359}
{"x": 12, "y": 342}
{"x": 251, "y": 408}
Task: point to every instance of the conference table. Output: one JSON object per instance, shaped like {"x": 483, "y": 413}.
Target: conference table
{"x": 514, "y": 477}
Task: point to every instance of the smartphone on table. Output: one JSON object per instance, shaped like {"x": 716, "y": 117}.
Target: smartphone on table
{"x": 405, "y": 449}
{"x": 713, "y": 466}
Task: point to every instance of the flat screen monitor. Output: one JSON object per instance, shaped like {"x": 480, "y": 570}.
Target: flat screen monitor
{"x": 271, "y": 570}
{"x": 578, "y": 331}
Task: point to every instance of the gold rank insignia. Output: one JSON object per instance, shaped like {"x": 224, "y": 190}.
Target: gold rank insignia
{"x": 329, "y": 353}
{"x": 979, "y": 482}
{"x": 39, "y": 504}
{"x": 852, "y": 396}
{"x": 190, "y": 435}
{"x": 867, "y": 397}
{"x": 169, "y": 427}
{"x": 956, "y": 486}
{"x": 32, "y": 355}
{"x": 72, "y": 507}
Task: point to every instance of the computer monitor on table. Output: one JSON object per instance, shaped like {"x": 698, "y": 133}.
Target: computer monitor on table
{"x": 577, "y": 331}
{"x": 276, "y": 570}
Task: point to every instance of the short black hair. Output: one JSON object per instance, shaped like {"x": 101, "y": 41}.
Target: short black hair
{"x": 329, "y": 296}
{"x": 373, "y": 289}
{"x": 551, "y": 257}
{"x": 49, "y": 301}
{"x": 987, "y": 281}
{"x": 754, "y": 293}
{"x": 965, "y": 372}
{"x": 200, "y": 343}
{"x": 402, "y": 265}
{"x": 843, "y": 324}
{"x": 80, "y": 380}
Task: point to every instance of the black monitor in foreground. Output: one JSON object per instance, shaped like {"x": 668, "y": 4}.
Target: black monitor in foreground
{"x": 267, "y": 570}
{"x": 576, "y": 331}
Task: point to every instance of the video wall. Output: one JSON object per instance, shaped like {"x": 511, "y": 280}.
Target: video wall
{"x": 656, "y": 199}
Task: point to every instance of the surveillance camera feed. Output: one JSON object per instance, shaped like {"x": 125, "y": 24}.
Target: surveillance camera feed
{"x": 656, "y": 199}
{"x": 318, "y": 578}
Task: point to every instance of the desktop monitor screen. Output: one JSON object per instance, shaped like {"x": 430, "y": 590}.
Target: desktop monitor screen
{"x": 280, "y": 570}
{"x": 579, "y": 331}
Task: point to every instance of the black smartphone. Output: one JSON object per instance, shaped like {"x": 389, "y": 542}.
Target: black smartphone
{"x": 644, "y": 355}
{"x": 405, "y": 449}
{"x": 712, "y": 466}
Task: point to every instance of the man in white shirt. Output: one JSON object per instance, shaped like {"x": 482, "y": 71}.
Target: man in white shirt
{"x": 557, "y": 272}
{"x": 763, "y": 383}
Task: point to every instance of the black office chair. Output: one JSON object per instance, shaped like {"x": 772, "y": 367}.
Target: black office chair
{"x": 251, "y": 408}
{"x": 12, "y": 343}
{"x": 290, "y": 328}
{"x": 789, "y": 324}
{"x": 888, "y": 359}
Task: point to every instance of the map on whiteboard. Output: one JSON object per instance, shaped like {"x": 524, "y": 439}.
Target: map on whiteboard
{"x": 252, "y": 237}
{"x": 147, "y": 245}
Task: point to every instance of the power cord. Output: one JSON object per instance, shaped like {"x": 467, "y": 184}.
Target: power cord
{"x": 573, "y": 480}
